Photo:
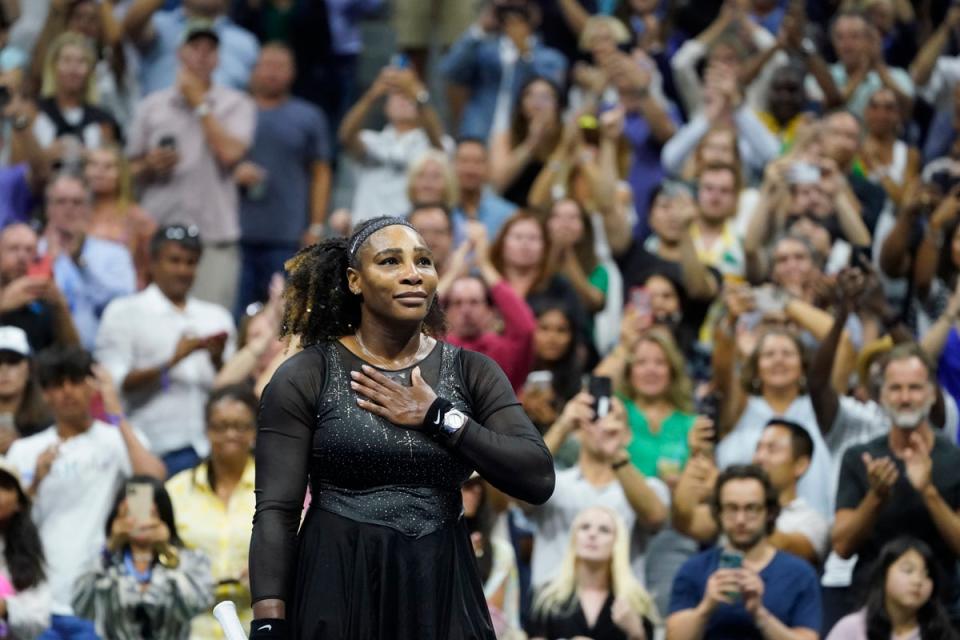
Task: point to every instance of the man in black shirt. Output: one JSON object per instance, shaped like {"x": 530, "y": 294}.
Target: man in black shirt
{"x": 30, "y": 298}
{"x": 904, "y": 483}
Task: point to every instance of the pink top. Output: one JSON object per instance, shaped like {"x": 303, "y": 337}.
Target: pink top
{"x": 854, "y": 627}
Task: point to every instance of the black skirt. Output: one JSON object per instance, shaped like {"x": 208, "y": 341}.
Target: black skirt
{"x": 364, "y": 581}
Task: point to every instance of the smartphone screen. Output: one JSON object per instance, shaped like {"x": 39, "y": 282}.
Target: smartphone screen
{"x": 42, "y": 267}
{"x": 601, "y": 388}
{"x": 139, "y": 502}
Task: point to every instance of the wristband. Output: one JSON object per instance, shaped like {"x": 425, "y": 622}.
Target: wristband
{"x": 114, "y": 418}
{"x": 269, "y": 629}
{"x": 616, "y": 466}
{"x": 434, "y": 418}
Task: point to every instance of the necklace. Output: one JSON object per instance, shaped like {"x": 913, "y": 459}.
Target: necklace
{"x": 425, "y": 346}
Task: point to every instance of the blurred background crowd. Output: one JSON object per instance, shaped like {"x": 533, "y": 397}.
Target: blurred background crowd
{"x": 740, "y": 217}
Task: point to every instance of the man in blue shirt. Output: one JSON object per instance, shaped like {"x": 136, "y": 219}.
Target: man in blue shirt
{"x": 478, "y": 201}
{"x": 745, "y": 588}
{"x": 158, "y": 36}
{"x": 89, "y": 271}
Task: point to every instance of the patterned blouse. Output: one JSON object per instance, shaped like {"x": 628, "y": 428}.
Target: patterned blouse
{"x": 155, "y": 606}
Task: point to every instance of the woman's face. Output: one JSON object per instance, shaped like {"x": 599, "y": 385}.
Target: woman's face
{"x": 523, "y": 244}
{"x": 85, "y": 19}
{"x": 594, "y": 536}
{"x": 908, "y": 581}
{"x": 259, "y": 327}
{"x": 14, "y": 374}
{"x": 231, "y": 429}
{"x": 539, "y": 100}
{"x": 718, "y": 148}
{"x": 663, "y": 221}
{"x": 664, "y": 300}
{"x": 553, "y": 336}
{"x": 650, "y": 371}
{"x": 792, "y": 265}
{"x": 72, "y": 69}
{"x": 882, "y": 114}
{"x": 779, "y": 364}
{"x": 429, "y": 185}
{"x": 102, "y": 171}
{"x": 565, "y": 224}
{"x": 397, "y": 276}
{"x": 472, "y": 492}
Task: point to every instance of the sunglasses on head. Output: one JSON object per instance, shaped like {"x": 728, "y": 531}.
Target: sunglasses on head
{"x": 180, "y": 232}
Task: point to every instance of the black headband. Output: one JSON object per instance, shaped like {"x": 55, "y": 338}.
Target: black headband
{"x": 372, "y": 228}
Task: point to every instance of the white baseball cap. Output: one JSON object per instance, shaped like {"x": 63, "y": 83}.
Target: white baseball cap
{"x": 14, "y": 339}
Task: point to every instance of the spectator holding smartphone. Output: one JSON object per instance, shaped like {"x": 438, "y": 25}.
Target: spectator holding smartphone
{"x": 165, "y": 347}
{"x": 147, "y": 585}
{"x": 745, "y": 588}
{"x": 214, "y": 502}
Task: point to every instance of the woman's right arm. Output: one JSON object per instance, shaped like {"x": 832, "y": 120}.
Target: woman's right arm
{"x": 284, "y": 435}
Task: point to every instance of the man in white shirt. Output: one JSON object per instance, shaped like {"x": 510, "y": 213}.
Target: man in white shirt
{"x": 165, "y": 347}
{"x": 384, "y": 156}
{"x": 73, "y": 471}
{"x": 602, "y": 476}
{"x": 784, "y": 452}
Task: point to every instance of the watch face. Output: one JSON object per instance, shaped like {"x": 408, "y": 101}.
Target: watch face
{"x": 453, "y": 421}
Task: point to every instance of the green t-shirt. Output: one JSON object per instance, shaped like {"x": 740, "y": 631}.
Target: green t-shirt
{"x": 669, "y": 447}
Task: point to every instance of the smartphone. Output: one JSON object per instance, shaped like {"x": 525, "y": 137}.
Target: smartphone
{"x": 640, "y": 300}
{"x": 601, "y": 388}
{"x": 42, "y": 267}
{"x": 400, "y": 61}
{"x": 859, "y": 256}
{"x": 731, "y": 560}
{"x": 539, "y": 381}
{"x": 167, "y": 142}
{"x": 139, "y": 502}
{"x": 709, "y": 406}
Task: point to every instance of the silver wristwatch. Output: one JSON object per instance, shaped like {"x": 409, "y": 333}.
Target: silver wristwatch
{"x": 453, "y": 421}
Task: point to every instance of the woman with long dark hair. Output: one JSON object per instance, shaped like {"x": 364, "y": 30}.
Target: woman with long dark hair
{"x": 385, "y": 422}
{"x": 902, "y": 602}
{"x": 24, "y": 596}
{"x": 148, "y": 586}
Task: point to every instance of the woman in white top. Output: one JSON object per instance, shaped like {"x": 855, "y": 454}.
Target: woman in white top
{"x": 772, "y": 384}
{"x": 902, "y": 602}
{"x": 891, "y": 162}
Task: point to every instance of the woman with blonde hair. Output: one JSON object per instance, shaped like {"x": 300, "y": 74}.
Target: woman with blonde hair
{"x": 431, "y": 180}
{"x": 595, "y": 593}
{"x": 658, "y": 396}
{"x": 116, "y": 215}
{"x": 67, "y": 120}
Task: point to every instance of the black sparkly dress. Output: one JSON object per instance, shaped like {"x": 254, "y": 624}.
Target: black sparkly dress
{"x": 383, "y": 552}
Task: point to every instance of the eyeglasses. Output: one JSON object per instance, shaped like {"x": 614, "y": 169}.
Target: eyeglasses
{"x": 181, "y": 232}
{"x": 751, "y": 510}
{"x": 223, "y": 427}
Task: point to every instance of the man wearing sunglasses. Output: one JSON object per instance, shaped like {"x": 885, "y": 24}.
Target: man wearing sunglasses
{"x": 164, "y": 348}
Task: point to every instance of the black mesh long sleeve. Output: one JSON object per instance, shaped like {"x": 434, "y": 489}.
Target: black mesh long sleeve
{"x": 501, "y": 442}
{"x": 284, "y": 442}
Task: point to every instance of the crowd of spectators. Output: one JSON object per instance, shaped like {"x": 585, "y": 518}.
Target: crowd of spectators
{"x": 714, "y": 246}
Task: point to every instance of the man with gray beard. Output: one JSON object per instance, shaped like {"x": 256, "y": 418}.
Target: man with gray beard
{"x": 906, "y": 482}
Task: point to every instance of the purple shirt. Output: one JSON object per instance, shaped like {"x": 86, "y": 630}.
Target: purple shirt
{"x": 16, "y": 199}
{"x": 645, "y": 170}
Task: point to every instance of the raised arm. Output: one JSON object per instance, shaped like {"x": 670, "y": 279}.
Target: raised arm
{"x": 136, "y": 22}
{"x": 352, "y": 122}
{"x": 926, "y": 60}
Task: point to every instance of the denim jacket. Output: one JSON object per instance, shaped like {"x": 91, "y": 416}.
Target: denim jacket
{"x": 474, "y": 61}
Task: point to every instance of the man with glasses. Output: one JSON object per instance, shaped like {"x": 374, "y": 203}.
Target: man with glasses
{"x": 89, "y": 271}
{"x": 744, "y": 587}
{"x": 165, "y": 347}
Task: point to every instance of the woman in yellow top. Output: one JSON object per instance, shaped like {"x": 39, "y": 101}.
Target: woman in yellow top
{"x": 214, "y": 502}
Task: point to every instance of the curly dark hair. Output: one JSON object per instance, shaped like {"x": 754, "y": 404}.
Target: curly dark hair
{"x": 318, "y": 304}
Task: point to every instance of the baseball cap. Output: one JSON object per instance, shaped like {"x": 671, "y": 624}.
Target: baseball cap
{"x": 197, "y": 28}
{"x": 14, "y": 339}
